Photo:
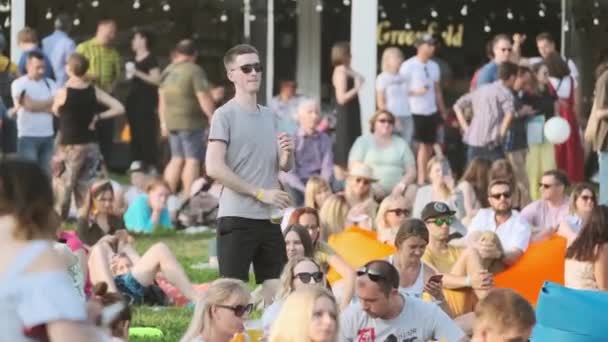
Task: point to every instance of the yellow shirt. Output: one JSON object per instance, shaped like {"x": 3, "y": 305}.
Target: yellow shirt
{"x": 104, "y": 63}
{"x": 460, "y": 301}
{"x": 4, "y": 62}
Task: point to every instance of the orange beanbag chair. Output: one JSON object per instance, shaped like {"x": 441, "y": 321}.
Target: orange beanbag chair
{"x": 543, "y": 261}
{"x": 357, "y": 246}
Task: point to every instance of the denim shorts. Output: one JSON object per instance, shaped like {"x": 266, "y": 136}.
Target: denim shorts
{"x": 130, "y": 287}
{"x": 188, "y": 144}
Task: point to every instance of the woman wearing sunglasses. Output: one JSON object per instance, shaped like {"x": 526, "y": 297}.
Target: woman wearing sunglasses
{"x": 321, "y": 250}
{"x": 587, "y": 257}
{"x": 389, "y": 156}
{"x": 358, "y": 189}
{"x": 308, "y": 315}
{"x": 221, "y": 314}
{"x": 582, "y": 202}
{"x": 298, "y": 273}
{"x": 393, "y": 212}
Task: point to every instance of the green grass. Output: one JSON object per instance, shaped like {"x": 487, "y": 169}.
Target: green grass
{"x": 189, "y": 250}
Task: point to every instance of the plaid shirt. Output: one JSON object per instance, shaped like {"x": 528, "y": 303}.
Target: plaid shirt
{"x": 104, "y": 63}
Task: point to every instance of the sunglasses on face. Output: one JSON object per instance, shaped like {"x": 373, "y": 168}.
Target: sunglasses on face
{"x": 440, "y": 221}
{"x": 372, "y": 274}
{"x": 506, "y": 49}
{"x": 248, "y": 68}
{"x": 239, "y": 310}
{"x": 306, "y": 277}
{"x": 383, "y": 121}
{"x": 587, "y": 198}
{"x": 363, "y": 181}
{"x": 399, "y": 211}
{"x": 506, "y": 195}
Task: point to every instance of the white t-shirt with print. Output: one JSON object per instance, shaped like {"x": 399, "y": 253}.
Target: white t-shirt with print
{"x": 394, "y": 87}
{"x": 34, "y": 124}
{"x": 418, "y": 321}
{"x": 419, "y": 75}
{"x": 513, "y": 234}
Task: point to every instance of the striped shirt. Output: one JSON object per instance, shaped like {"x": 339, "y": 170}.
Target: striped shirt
{"x": 104, "y": 63}
{"x": 490, "y": 103}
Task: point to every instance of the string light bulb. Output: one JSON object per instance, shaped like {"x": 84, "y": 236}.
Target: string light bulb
{"x": 166, "y": 7}
{"x": 95, "y": 3}
{"x": 252, "y": 17}
{"x": 541, "y": 10}
{"x": 407, "y": 25}
{"x": 566, "y": 27}
{"x": 434, "y": 13}
{"x": 510, "y": 15}
{"x": 464, "y": 11}
{"x": 76, "y": 21}
{"x": 596, "y": 21}
{"x": 596, "y": 4}
{"x": 383, "y": 14}
{"x": 136, "y": 4}
{"x": 49, "y": 14}
{"x": 486, "y": 27}
{"x": 319, "y": 7}
{"x": 7, "y": 22}
{"x": 346, "y": 2}
{"x": 224, "y": 17}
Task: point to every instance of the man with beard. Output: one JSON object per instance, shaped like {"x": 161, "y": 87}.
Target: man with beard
{"x": 512, "y": 229}
{"x": 384, "y": 314}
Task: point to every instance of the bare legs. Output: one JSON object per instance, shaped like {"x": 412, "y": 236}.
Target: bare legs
{"x": 424, "y": 154}
{"x": 192, "y": 170}
{"x": 173, "y": 172}
{"x": 156, "y": 259}
{"x": 470, "y": 263}
{"x": 187, "y": 170}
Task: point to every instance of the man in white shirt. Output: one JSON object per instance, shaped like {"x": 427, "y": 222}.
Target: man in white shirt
{"x": 383, "y": 314}
{"x": 512, "y": 229}
{"x": 33, "y": 97}
{"x": 425, "y": 99}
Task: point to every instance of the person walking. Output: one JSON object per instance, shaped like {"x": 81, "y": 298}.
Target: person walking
{"x": 185, "y": 107}
{"x": 33, "y": 96}
{"x": 245, "y": 155}
{"x": 142, "y": 100}
{"x": 58, "y": 46}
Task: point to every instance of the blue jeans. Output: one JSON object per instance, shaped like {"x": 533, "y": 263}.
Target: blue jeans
{"x": 603, "y": 163}
{"x": 488, "y": 153}
{"x": 36, "y": 149}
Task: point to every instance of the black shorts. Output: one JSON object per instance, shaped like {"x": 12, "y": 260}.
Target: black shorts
{"x": 241, "y": 241}
{"x": 425, "y": 127}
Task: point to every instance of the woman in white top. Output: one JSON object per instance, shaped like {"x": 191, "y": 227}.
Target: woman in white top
{"x": 393, "y": 211}
{"x": 582, "y": 202}
{"x": 391, "y": 92}
{"x": 474, "y": 187}
{"x": 30, "y": 267}
{"x": 587, "y": 257}
{"x": 298, "y": 273}
{"x": 221, "y": 314}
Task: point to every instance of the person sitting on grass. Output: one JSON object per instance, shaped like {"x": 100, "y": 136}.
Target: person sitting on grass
{"x": 149, "y": 211}
{"x": 119, "y": 326}
{"x": 503, "y": 316}
{"x": 96, "y": 218}
{"x": 125, "y": 271}
{"x": 137, "y": 178}
{"x": 221, "y": 314}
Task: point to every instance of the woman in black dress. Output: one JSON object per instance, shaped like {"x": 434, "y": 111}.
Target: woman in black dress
{"x": 346, "y": 83}
{"x": 142, "y": 101}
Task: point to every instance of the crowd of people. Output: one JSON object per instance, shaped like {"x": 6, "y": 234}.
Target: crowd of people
{"x": 291, "y": 180}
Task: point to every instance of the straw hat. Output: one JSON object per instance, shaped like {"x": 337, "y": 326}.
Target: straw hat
{"x": 362, "y": 171}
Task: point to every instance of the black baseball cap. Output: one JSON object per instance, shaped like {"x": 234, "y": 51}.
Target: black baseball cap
{"x": 436, "y": 209}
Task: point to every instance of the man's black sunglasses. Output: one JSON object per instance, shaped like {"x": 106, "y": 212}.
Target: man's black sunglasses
{"x": 372, "y": 274}
{"x": 239, "y": 310}
{"x": 248, "y": 68}
{"x": 305, "y": 277}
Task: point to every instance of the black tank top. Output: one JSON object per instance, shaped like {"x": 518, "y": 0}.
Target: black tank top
{"x": 76, "y": 115}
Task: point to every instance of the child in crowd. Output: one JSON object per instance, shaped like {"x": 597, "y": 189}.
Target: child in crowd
{"x": 149, "y": 210}
{"x": 138, "y": 177}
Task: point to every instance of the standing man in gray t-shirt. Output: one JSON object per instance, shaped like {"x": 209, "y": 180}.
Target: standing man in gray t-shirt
{"x": 245, "y": 154}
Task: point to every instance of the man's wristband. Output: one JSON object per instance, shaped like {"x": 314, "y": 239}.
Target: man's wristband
{"x": 467, "y": 281}
{"x": 259, "y": 194}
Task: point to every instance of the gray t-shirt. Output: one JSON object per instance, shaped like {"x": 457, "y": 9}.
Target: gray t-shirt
{"x": 418, "y": 321}
{"x": 251, "y": 153}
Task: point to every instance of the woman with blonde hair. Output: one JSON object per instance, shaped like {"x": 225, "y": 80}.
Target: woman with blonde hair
{"x": 393, "y": 211}
{"x": 474, "y": 185}
{"x": 391, "y": 88}
{"x": 316, "y": 192}
{"x": 359, "y": 194}
{"x": 388, "y": 155}
{"x": 309, "y": 315}
{"x": 582, "y": 202}
{"x": 346, "y": 84}
{"x": 221, "y": 314}
{"x": 333, "y": 216}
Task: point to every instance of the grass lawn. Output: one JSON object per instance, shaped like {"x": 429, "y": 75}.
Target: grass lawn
{"x": 189, "y": 250}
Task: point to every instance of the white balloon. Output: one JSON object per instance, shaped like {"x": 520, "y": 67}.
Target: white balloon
{"x": 557, "y": 130}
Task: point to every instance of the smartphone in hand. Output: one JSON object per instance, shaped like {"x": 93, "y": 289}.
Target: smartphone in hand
{"x": 436, "y": 278}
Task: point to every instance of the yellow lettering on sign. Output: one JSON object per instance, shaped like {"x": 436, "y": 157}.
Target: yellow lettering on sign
{"x": 452, "y": 35}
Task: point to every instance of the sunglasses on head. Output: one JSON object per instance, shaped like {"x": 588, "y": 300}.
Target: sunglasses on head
{"x": 441, "y": 220}
{"x": 239, "y": 310}
{"x": 363, "y": 180}
{"x": 502, "y": 194}
{"x": 372, "y": 274}
{"x": 399, "y": 211}
{"x": 306, "y": 277}
{"x": 248, "y": 68}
